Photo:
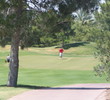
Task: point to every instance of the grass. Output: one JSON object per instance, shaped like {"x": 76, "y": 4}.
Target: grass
{"x": 50, "y": 78}
{"x": 54, "y": 62}
{"x": 41, "y": 67}
{"x": 8, "y": 92}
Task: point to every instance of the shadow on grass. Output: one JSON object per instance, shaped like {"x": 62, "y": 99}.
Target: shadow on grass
{"x": 58, "y": 88}
{"x": 67, "y": 46}
{"x": 61, "y": 88}
{"x": 27, "y": 86}
{"x": 76, "y": 88}
{"x": 32, "y": 87}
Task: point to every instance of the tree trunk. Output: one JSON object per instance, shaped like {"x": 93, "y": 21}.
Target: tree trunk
{"x": 14, "y": 57}
{"x": 14, "y": 60}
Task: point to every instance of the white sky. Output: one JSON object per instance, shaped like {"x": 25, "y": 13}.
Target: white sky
{"x": 102, "y": 1}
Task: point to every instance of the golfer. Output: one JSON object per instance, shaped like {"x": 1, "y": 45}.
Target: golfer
{"x": 7, "y": 59}
{"x": 61, "y": 52}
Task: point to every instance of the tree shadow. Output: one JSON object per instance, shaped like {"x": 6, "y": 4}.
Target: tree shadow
{"x": 67, "y": 46}
{"x": 57, "y": 88}
{"x": 77, "y": 88}
{"x": 32, "y": 86}
{"x": 27, "y": 86}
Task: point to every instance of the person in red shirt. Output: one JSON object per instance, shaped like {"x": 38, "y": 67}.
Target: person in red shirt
{"x": 61, "y": 52}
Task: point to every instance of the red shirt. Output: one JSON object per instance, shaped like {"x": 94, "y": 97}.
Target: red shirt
{"x": 61, "y": 50}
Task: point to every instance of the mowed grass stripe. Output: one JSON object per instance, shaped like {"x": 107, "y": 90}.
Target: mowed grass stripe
{"x": 49, "y": 78}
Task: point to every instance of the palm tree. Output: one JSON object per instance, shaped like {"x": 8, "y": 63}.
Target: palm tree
{"x": 83, "y": 17}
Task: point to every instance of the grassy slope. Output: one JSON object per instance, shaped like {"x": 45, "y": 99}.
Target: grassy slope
{"x": 42, "y": 67}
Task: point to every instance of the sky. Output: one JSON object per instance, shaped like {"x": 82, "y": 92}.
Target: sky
{"x": 102, "y": 1}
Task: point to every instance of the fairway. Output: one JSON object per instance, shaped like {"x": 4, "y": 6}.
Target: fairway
{"x": 54, "y": 62}
{"x": 50, "y": 70}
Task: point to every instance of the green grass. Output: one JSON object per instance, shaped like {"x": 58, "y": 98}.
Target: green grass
{"x": 46, "y": 78}
{"x": 41, "y": 67}
{"x": 54, "y": 62}
{"x": 49, "y": 78}
{"x": 8, "y": 92}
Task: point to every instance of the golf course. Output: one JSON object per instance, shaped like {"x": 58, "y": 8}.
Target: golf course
{"x": 42, "y": 67}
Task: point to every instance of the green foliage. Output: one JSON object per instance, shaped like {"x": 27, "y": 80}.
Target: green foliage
{"x": 53, "y": 27}
{"x": 49, "y": 21}
{"x": 56, "y": 23}
{"x": 83, "y": 25}
{"x": 83, "y": 32}
{"x": 9, "y": 20}
{"x": 68, "y": 6}
{"x": 102, "y": 39}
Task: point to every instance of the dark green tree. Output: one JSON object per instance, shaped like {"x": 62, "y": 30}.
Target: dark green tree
{"x": 102, "y": 39}
{"x": 14, "y": 19}
{"x": 56, "y": 23}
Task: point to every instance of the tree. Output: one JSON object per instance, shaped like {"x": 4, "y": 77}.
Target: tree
{"x": 3, "y": 31}
{"x": 15, "y": 18}
{"x": 83, "y": 25}
{"x": 102, "y": 39}
{"x": 57, "y": 22}
{"x": 14, "y": 61}
{"x": 83, "y": 17}
{"x": 54, "y": 27}
{"x": 13, "y": 15}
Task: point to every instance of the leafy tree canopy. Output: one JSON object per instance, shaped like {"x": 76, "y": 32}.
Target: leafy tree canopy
{"x": 102, "y": 39}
